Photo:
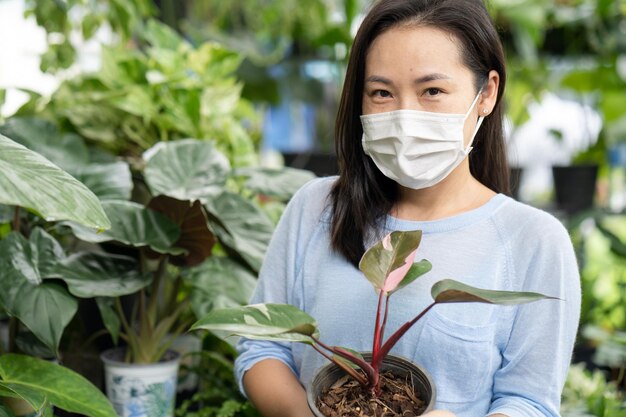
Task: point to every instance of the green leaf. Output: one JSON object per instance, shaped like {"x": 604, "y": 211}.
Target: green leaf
{"x": 29, "y": 180}
{"x": 67, "y": 151}
{"x": 219, "y": 282}
{"x": 110, "y": 318}
{"x": 93, "y": 274}
{"x": 28, "y": 344}
{"x": 242, "y": 227}
{"x": 278, "y": 183}
{"x": 186, "y": 170}
{"x": 133, "y": 224}
{"x": 32, "y": 396}
{"x": 278, "y": 322}
{"x": 31, "y": 260}
{"x": 161, "y": 36}
{"x": 5, "y": 411}
{"x": 108, "y": 181}
{"x": 417, "y": 270}
{"x": 63, "y": 387}
{"x": 346, "y": 361}
{"x": 195, "y": 236}
{"x": 46, "y": 309}
{"x": 378, "y": 262}
{"x": 451, "y": 291}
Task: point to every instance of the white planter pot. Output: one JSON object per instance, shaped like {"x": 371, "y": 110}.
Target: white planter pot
{"x": 141, "y": 390}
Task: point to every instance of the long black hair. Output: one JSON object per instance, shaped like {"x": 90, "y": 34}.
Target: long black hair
{"x": 362, "y": 195}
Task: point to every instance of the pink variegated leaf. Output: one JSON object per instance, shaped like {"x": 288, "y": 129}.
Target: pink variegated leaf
{"x": 394, "y": 251}
{"x": 395, "y": 277}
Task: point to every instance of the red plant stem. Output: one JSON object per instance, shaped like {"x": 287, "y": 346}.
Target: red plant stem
{"x": 347, "y": 369}
{"x": 382, "y": 327}
{"x": 393, "y": 339}
{"x": 377, "y": 336}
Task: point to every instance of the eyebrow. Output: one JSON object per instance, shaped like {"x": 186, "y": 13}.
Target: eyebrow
{"x": 423, "y": 79}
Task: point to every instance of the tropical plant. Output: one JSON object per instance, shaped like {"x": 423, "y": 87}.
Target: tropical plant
{"x": 389, "y": 266}
{"x": 158, "y": 88}
{"x": 44, "y": 384}
{"x": 29, "y": 256}
{"x": 197, "y": 219}
{"x": 58, "y": 19}
{"x": 218, "y": 394}
{"x": 28, "y": 291}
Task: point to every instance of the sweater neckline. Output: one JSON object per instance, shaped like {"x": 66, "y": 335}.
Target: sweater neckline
{"x": 448, "y": 223}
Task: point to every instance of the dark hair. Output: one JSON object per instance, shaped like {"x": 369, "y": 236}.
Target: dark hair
{"x": 362, "y": 196}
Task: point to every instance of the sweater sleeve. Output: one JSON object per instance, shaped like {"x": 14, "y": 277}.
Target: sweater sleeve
{"x": 277, "y": 277}
{"x": 536, "y": 359}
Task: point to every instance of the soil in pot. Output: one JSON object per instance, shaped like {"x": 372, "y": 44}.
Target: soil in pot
{"x": 406, "y": 390}
{"x": 347, "y": 398}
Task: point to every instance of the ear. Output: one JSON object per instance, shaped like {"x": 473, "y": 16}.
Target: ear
{"x": 489, "y": 95}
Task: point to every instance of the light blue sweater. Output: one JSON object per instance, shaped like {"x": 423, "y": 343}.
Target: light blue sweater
{"x": 483, "y": 358}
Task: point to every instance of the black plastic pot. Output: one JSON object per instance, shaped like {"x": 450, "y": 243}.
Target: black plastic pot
{"x": 574, "y": 187}
{"x": 329, "y": 374}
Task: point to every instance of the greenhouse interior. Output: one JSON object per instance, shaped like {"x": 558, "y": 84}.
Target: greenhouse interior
{"x": 149, "y": 153}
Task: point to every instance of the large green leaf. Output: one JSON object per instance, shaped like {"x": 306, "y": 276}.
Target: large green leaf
{"x": 195, "y": 236}
{"x": 278, "y": 183}
{"x": 133, "y": 224}
{"x": 31, "y": 260}
{"x": 278, "y": 322}
{"x": 46, "y": 309}
{"x": 108, "y": 181}
{"x": 67, "y": 151}
{"x": 242, "y": 226}
{"x": 388, "y": 255}
{"x": 219, "y": 282}
{"x": 29, "y": 180}
{"x": 451, "y": 291}
{"x": 63, "y": 387}
{"x": 186, "y": 169}
{"x": 93, "y": 274}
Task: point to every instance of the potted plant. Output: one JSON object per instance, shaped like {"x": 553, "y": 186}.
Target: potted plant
{"x": 389, "y": 266}
{"x": 28, "y": 293}
{"x": 146, "y": 270}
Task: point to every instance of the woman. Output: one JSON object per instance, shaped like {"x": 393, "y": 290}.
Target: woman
{"x": 423, "y": 91}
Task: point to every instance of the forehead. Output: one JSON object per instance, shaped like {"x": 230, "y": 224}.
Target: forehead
{"x": 414, "y": 49}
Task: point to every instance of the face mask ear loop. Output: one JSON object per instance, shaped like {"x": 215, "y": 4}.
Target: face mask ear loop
{"x": 469, "y": 145}
{"x": 473, "y": 103}
{"x": 480, "y": 121}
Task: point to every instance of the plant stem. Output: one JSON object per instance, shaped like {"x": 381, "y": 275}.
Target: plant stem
{"x": 15, "y": 225}
{"x": 371, "y": 377}
{"x": 171, "y": 303}
{"x": 393, "y": 339}
{"x": 13, "y": 329}
{"x": 384, "y": 325}
{"x": 131, "y": 337}
{"x": 377, "y": 337}
{"x": 154, "y": 291}
{"x": 354, "y": 374}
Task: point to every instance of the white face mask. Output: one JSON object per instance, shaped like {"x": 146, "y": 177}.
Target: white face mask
{"x": 417, "y": 149}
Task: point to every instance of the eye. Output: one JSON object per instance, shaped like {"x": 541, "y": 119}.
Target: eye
{"x": 432, "y": 92}
{"x": 381, "y": 93}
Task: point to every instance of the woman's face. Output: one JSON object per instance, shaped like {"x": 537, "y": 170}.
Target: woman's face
{"x": 420, "y": 68}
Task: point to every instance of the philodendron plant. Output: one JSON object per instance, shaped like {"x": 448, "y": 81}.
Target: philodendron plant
{"x": 389, "y": 266}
